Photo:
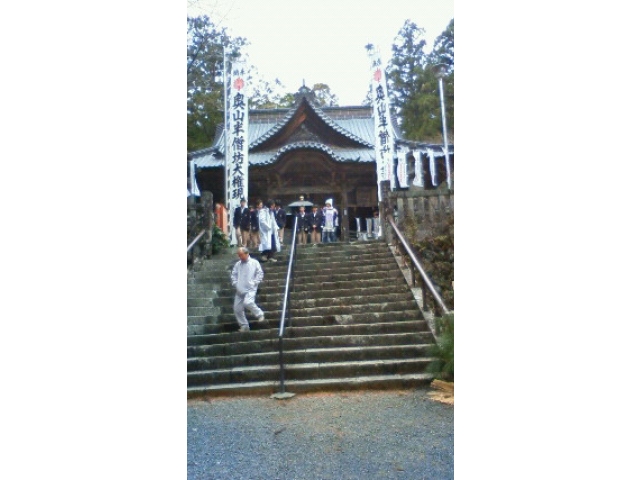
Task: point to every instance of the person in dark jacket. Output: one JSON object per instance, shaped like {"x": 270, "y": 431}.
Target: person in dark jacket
{"x": 314, "y": 220}
{"x": 254, "y": 226}
{"x": 303, "y": 225}
{"x": 238, "y": 214}
{"x": 281, "y": 220}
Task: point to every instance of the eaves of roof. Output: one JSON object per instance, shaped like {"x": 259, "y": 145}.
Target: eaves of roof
{"x": 270, "y": 132}
{"x": 212, "y": 158}
{"x": 339, "y": 154}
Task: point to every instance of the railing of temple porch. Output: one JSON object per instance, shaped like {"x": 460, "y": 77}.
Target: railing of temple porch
{"x": 416, "y": 266}
{"x": 285, "y": 301}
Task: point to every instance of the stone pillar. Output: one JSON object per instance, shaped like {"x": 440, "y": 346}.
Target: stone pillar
{"x": 344, "y": 216}
{"x": 385, "y": 208}
{"x": 207, "y": 215}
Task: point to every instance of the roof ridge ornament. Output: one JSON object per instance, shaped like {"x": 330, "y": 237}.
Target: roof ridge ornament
{"x": 305, "y": 92}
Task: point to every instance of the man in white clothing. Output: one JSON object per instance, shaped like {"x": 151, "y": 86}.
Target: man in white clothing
{"x": 269, "y": 241}
{"x": 245, "y": 277}
{"x": 329, "y": 222}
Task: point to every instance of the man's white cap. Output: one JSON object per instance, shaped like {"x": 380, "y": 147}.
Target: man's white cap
{"x": 329, "y": 201}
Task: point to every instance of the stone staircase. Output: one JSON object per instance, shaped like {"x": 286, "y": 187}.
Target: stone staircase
{"x": 354, "y": 324}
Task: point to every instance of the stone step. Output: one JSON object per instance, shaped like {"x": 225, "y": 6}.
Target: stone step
{"x": 334, "y": 280}
{"x": 228, "y": 326}
{"x": 347, "y": 309}
{"x": 309, "y": 317}
{"x": 371, "y": 301}
{"x": 359, "y": 288}
{"x": 310, "y": 355}
{"x": 362, "y": 258}
{"x": 274, "y": 303}
{"x": 200, "y": 302}
{"x": 296, "y": 343}
{"x": 388, "y": 281}
{"x": 353, "y": 322}
{"x": 356, "y": 290}
{"x": 227, "y": 323}
{"x": 342, "y": 247}
{"x": 309, "y": 371}
{"x": 268, "y": 387}
{"x": 374, "y": 270}
{"x": 383, "y": 277}
{"x": 320, "y": 330}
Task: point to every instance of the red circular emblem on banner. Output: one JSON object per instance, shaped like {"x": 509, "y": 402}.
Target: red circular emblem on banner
{"x": 377, "y": 75}
{"x": 238, "y": 83}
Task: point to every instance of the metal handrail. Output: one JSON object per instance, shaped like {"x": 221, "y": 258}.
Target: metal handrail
{"x": 418, "y": 266}
{"x": 285, "y": 300}
{"x": 196, "y": 240}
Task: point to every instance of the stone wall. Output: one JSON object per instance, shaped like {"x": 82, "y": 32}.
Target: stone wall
{"x": 420, "y": 208}
{"x": 200, "y": 216}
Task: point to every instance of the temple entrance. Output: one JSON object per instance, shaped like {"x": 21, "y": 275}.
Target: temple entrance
{"x": 317, "y": 177}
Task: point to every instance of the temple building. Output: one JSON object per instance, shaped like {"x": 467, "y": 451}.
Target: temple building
{"x": 320, "y": 153}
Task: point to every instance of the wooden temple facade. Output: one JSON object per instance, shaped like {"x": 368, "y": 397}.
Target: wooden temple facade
{"x": 319, "y": 153}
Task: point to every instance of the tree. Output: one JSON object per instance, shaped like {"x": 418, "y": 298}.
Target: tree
{"x": 205, "y": 90}
{"x": 264, "y": 94}
{"x": 324, "y": 97}
{"x": 442, "y": 52}
{"x": 407, "y": 62}
{"x": 413, "y": 85}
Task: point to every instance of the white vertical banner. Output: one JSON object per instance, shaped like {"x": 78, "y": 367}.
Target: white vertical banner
{"x": 236, "y": 136}
{"x": 192, "y": 174}
{"x": 385, "y": 140}
{"x": 403, "y": 174}
{"x": 418, "y": 178}
{"x": 432, "y": 168}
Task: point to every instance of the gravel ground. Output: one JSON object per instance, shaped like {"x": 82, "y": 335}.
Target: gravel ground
{"x": 343, "y": 435}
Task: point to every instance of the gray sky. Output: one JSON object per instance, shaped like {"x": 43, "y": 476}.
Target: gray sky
{"x": 322, "y": 42}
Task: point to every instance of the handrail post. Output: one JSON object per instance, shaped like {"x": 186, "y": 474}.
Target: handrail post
{"x": 281, "y": 366}
{"x": 282, "y": 394}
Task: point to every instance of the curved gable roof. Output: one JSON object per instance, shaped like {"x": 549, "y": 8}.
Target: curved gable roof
{"x": 303, "y": 104}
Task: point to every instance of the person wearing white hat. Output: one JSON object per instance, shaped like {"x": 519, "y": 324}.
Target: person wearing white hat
{"x": 329, "y": 222}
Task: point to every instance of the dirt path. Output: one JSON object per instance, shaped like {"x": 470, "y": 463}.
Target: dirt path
{"x": 443, "y": 392}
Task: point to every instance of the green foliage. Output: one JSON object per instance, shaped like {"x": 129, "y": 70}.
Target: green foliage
{"x": 407, "y": 62}
{"x": 219, "y": 240}
{"x": 265, "y": 95}
{"x": 414, "y": 88}
{"x": 442, "y": 365}
{"x": 442, "y": 52}
{"x": 205, "y": 92}
{"x": 436, "y": 250}
{"x": 324, "y": 96}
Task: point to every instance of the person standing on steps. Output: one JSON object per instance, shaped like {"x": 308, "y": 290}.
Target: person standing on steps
{"x": 281, "y": 220}
{"x": 240, "y": 217}
{"x": 269, "y": 241}
{"x": 315, "y": 224}
{"x": 329, "y": 222}
{"x": 303, "y": 225}
{"x": 245, "y": 277}
{"x": 254, "y": 234}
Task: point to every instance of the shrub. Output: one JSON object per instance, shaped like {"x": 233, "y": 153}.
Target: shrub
{"x": 219, "y": 240}
{"x": 436, "y": 250}
{"x": 442, "y": 365}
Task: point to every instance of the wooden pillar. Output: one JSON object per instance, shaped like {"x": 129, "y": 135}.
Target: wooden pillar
{"x": 344, "y": 216}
